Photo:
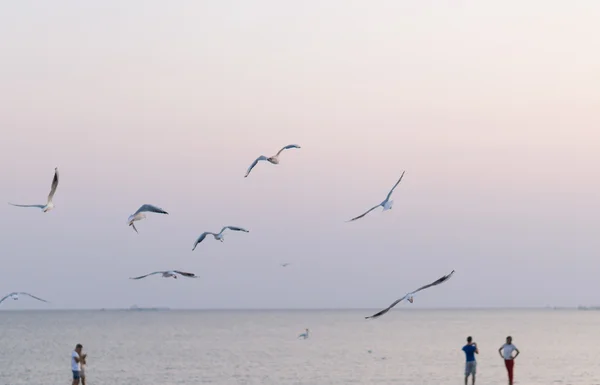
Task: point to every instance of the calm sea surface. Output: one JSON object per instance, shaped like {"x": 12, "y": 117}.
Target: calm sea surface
{"x": 260, "y": 347}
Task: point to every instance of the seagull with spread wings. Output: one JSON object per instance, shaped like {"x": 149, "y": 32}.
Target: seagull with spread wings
{"x": 169, "y": 274}
{"x": 15, "y": 296}
{"x": 272, "y": 159}
{"x": 139, "y": 214}
{"x": 49, "y": 205}
{"x": 409, "y": 296}
{"x": 386, "y": 204}
{"x": 220, "y": 236}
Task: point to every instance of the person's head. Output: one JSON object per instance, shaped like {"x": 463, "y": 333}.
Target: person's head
{"x": 469, "y": 339}
{"x": 78, "y": 348}
{"x": 509, "y": 340}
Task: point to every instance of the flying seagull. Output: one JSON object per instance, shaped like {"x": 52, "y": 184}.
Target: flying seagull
{"x": 285, "y": 264}
{"x": 219, "y": 237}
{"x": 139, "y": 214}
{"x": 273, "y": 159}
{"x": 169, "y": 274}
{"x": 386, "y": 204}
{"x": 49, "y": 205}
{"x": 409, "y": 296}
{"x": 15, "y": 296}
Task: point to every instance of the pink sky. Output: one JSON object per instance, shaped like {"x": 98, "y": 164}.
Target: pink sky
{"x": 492, "y": 110}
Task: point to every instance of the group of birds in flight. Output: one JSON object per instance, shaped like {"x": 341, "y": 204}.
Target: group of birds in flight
{"x": 140, "y": 214}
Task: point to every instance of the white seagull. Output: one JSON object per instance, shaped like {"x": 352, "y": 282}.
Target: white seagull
{"x": 139, "y": 214}
{"x": 386, "y": 204}
{"x": 304, "y": 335}
{"x": 409, "y": 296}
{"x": 273, "y": 159}
{"x": 219, "y": 237}
{"x": 169, "y": 274}
{"x": 49, "y": 205}
{"x": 15, "y": 296}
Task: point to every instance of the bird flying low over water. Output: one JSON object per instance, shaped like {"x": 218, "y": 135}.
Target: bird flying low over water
{"x": 169, "y": 274}
{"x": 220, "y": 236}
{"x": 272, "y": 159}
{"x": 49, "y": 205}
{"x": 386, "y": 204}
{"x": 139, "y": 214}
{"x": 15, "y": 296}
{"x": 409, "y": 296}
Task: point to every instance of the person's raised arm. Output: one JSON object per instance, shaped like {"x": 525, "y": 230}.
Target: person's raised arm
{"x": 76, "y": 358}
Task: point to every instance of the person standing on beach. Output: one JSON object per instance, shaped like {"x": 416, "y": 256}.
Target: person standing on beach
{"x": 76, "y": 358}
{"x": 470, "y": 350}
{"x": 506, "y": 352}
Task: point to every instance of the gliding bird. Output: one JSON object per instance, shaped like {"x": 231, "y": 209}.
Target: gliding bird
{"x": 219, "y": 237}
{"x": 386, "y": 204}
{"x": 15, "y": 296}
{"x": 169, "y": 274}
{"x": 139, "y": 214}
{"x": 49, "y": 205}
{"x": 273, "y": 159}
{"x": 409, "y": 296}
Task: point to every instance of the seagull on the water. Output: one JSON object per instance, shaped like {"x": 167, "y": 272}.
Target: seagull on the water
{"x": 272, "y": 159}
{"x": 386, "y": 204}
{"x": 304, "y": 335}
{"x": 169, "y": 274}
{"x": 220, "y": 236}
{"x": 15, "y": 296}
{"x": 49, "y": 205}
{"x": 410, "y": 296}
{"x": 139, "y": 214}
{"x": 285, "y": 264}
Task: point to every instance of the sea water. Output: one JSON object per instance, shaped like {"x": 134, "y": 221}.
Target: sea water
{"x": 405, "y": 346}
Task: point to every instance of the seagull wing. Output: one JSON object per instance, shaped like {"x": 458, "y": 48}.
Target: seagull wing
{"x": 133, "y": 225}
{"x": 287, "y": 147}
{"x": 144, "y": 276}
{"x": 34, "y": 297}
{"x": 360, "y": 216}
{"x": 262, "y": 157}
{"x": 6, "y": 296}
{"x": 377, "y": 315}
{"x": 200, "y": 239}
{"x": 436, "y": 282}
{"x": 189, "y": 275}
{"x": 392, "y": 190}
{"x": 54, "y": 185}
{"x": 234, "y": 228}
{"x": 38, "y": 206}
{"x": 150, "y": 208}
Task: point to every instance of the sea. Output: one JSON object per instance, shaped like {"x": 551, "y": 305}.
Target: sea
{"x": 405, "y": 346}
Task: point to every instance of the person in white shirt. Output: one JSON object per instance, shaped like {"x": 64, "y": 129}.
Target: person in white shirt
{"x": 76, "y": 358}
{"x": 506, "y": 352}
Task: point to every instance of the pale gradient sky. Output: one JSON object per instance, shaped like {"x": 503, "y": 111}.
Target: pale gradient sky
{"x": 490, "y": 107}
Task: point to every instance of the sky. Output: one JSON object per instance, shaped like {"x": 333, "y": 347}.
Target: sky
{"x": 491, "y": 108}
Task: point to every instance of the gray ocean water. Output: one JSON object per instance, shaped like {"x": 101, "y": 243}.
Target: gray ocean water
{"x": 261, "y": 347}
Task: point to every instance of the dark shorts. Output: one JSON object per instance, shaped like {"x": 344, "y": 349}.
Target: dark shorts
{"x": 76, "y": 375}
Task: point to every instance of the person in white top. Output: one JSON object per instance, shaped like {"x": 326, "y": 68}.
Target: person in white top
{"x": 76, "y": 358}
{"x": 506, "y": 352}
